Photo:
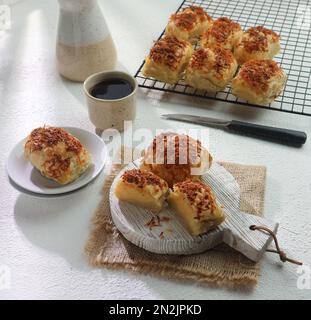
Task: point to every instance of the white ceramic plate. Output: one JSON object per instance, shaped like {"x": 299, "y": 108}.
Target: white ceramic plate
{"x": 24, "y": 175}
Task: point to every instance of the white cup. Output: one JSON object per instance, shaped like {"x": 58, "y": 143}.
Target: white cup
{"x": 105, "y": 114}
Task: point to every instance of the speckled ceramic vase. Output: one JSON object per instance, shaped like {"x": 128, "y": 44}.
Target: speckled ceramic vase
{"x": 84, "y": 44}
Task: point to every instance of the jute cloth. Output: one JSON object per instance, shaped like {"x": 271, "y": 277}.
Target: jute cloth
{"x": 107, "y": 248}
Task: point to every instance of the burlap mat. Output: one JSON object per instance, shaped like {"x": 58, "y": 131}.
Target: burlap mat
{"x": 106, "y": 247}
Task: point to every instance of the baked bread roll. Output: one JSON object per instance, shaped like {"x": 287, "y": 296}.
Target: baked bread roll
{"x": 56, "y": 154}
{"x": 224, "y": 32}
{"x": 142, "y": 188}
{"x": 167, "y": 59}
{"x": 257, "y": 43}
{"x": 211, "y": 69}
{"x": 189, "y": 24}
{"x": 195, "y": 204}
{"x": 175, "y": 157}
{"x": 259, "y": 81}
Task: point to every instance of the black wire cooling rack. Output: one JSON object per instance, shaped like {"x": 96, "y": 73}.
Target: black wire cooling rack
{"x": 291, "y": 19}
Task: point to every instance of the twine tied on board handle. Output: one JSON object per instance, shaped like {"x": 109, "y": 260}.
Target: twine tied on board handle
{"x": 278, "y": 250}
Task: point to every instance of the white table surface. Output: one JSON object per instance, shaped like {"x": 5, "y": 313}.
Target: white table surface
{"x": 42, "y": 240}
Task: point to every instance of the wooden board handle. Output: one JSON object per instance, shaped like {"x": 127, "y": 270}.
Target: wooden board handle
{"x": 238, "y": 235}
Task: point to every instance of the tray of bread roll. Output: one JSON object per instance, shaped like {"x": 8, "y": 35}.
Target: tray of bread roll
{"x": 178, "y": 200}
{"x": 254, "y": 53}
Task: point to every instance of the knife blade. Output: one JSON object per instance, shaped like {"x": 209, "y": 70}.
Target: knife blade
{"x": 281, "y": 135}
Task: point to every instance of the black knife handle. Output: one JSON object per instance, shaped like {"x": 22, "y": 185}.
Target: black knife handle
{"x": 270, "y": 133}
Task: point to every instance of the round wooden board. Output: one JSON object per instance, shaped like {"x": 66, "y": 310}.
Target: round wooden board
{"x": 171, "y": 237}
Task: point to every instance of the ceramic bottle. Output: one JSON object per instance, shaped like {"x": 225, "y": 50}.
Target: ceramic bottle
{"x": 84, "y": 44}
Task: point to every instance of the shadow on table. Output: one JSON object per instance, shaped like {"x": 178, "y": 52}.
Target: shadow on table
{"x": 171, "y": 289}
{"x": 59, "y": 224}
{"x": 76, "y": 88}
{"x": 245, "y": 113}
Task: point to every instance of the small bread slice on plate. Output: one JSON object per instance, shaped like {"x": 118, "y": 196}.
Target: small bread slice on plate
{"x": 195, "y": 204}
{"x": 142, "y": 188}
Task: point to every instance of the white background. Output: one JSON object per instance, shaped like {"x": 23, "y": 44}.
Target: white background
{"x": 42, "y": 240}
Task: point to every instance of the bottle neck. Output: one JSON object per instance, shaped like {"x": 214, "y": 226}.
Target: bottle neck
{"x": 76, "y": 5}
{"x": 81, "y": 23}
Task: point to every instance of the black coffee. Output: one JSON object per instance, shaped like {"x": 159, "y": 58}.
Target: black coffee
{"x": 112, "y": 89}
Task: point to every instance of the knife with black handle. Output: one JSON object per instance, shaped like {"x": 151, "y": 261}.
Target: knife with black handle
{"x": 281, "y": 135}
{"x": 276, "y": 134}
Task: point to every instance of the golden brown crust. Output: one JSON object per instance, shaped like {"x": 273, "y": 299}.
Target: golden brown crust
{"x": 199, "y": 58}
{"x": 143, "y": 189}
{"x": 188, "y": 18}
{"x": 223, "y": 60}
{"x": 166, "y": 148}
{"x": 142, "y": 178}
{"x": 167, "y": 59}
{"x": 199, "y": 195}
{"x": 56, "y": 166}
{"x": 44, "y": 137}
{"x": 189, "y": 24}
{"x": 168, "y": 51}
{"x": 259, "y": 81}
{"x": 200, "y": 12}
{"x": 56, "y": 154}
{"x": 211, "y": 69}
{"x": 185, "y": 21}
{"x": 175, "y": 157}
{"x": 256, "y": 39}
{"x": 257, "y": 73}
{"x": 221, "y": 29}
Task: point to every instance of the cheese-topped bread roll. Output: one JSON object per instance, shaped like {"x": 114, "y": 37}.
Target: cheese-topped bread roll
{"x": 142, "y": 188}
{"x": 57, "y": 154}
{"x": 211, "y": 69}
{"x": 224, "y": 32}
{"x": 189, "y": 24}
{"x": 167, "y": 59}
{"x": 195, "y": 203}
{"x": 257, "y": 43}
{"x": 175, "y": 157}
{"x": 259, "y": 81}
